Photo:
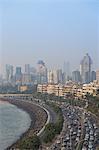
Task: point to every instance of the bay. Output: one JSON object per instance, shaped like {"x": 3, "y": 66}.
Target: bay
{"x": 13, "y": 123}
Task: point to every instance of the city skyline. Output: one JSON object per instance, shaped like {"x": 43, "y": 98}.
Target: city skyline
{"x": 65, "y": 67}
{"x": 42, "y": 74}
{"x": 51, "y": 31}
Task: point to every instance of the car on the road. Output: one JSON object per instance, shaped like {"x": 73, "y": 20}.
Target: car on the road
{"x": 84, "y": 148}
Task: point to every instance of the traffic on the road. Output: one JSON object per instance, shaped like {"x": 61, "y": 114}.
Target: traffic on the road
{"x": 80, "y": 131}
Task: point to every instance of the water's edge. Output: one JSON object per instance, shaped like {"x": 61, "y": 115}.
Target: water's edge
{"x": 32, "y": 110}
{"x": 19, "y": 127}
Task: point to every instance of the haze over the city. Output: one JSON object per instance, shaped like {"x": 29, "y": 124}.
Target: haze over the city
{"x": 53, "y": 31}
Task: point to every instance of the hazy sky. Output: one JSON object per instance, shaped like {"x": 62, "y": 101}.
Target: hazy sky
{"x": 51, "y": 30}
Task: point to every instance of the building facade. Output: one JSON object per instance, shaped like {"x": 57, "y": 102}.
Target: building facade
{"x": 76, "y": 76}
{"x": 41, "y": 72}
{"x": 9, "y": 72}
{"x": 97, "y": 75}
{"x": 85, "y": 69}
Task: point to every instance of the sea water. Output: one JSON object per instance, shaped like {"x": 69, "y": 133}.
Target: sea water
{"x": 13, "y": 123}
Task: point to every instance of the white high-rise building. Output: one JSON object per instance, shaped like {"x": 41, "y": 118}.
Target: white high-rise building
{"x": 85, "y": 69}
{"x": 55, "y": 76}
{"x": 50, "y": 76}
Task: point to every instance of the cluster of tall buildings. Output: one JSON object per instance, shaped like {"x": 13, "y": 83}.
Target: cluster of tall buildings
{"x": 85, "y": 69}
{"x": 84, "y": 74}
{"x": 41, "y": 74}
{"x": 29, "y": 76}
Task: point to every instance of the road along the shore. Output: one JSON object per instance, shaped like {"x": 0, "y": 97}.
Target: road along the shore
{"x": 39, "y": 115}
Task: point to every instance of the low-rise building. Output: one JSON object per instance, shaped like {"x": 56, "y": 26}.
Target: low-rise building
{"x": 23, "y": 88}
{"x": 91, "y": 88}
{"x": 42, "y": 88}
{"x": 70, "y": 89}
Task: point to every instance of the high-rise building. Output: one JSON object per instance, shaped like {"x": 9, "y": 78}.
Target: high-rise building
{"x": 18, "y": 70}
{"x": 33, "y": 71}
{"x": 9, "y": 72}
{"x": 60, "y": 77}
{"x": 50, "y": 76}
{"x": 18, "y": 74}
{"x": 93, "y": 76}
{"x": 27, "y": 69}
{"x": 26, "y": 79}
{"x": 85, "y": 69}
{"x": 63, "y": 77}
{"x": 76, "y": 76}
{"x": 66, "y": 70}
{"x": 97, "y": 75}
{"x": 55, "y": 76}
{"x": 27, "y": 76}
{"x": 41, "y": 72}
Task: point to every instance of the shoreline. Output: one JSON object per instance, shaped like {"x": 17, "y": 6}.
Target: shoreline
{"x": 38, "y": 119}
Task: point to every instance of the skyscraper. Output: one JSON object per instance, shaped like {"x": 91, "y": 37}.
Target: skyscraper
{"x": 18, "y": 71}
{"x": 60, "y": 77}
{"x": 18, "y": 74}
{"x": 85, "y": 69}
{"x": 50, "y": 76}
{"x": 55, "y": 76}
{"x": 66, "y": 70}
{"x": 26, "y": 79}
{"x": 76, "y": 76}
{"x": 27, "y": 69}
{"x": 41, "y": 72}
{"x": 9, "y": 72}
{"x": 93, "y": 76}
